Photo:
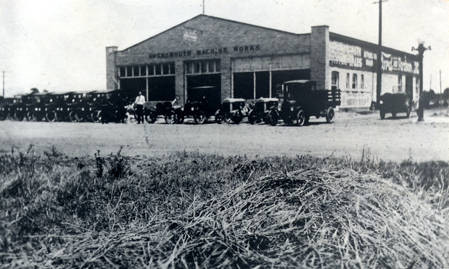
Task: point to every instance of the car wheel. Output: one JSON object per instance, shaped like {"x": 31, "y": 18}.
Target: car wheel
{"x": 179, "y": 118}
{"x": 252, "y": 117}
{"x": 50, "y": 116}
{"x": 237, "y": 118}
{"x": 273, "y": 118}
{"x": 72, "y": 117}
{"x": 301, "y": 118}
{"x": 170, "y": 118}
{"x": 218, "y": 117}
{"x": 200, "y": 117}
{"x": 150, "y": 117}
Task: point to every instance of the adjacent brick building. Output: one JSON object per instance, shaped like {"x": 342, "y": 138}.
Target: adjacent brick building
{"x": 235, "y": 59}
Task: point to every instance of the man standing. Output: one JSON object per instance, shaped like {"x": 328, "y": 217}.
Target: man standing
{"x": 140, "y": 101}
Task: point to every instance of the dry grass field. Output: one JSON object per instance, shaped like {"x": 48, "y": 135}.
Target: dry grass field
{"x": 190, "y": 210}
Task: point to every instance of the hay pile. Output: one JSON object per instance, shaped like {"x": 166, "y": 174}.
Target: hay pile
{"x": 319, "y": 218}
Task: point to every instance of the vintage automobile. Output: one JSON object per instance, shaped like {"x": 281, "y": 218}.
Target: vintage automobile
{"x": 110, "y": 106}
{"x": 197, "y": 106}
{"x": 5, "y": 108}
{"x": 300, "y": 100}
{"x": 263, "y": 110}
{"x": 231, "y": 110}
{"x": 395, "y": 103}
{"x": 166, "y": 109}
{"x": 17, "y": 109}
{"x": 41, "y": 106}
{"x": 78, "y": 107}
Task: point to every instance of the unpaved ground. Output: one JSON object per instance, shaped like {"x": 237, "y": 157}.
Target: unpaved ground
{"x": 350, "y": 135}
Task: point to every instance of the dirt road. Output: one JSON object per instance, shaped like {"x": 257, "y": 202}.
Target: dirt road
{"x": 350, "y": 135}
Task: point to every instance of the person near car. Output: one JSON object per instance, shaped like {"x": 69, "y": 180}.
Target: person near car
{"x": 140, "y": 101}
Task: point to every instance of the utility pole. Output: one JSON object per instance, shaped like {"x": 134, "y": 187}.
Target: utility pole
{"x": 441, "y": 89}
{"x": 379, "y": 55}
{"x": 421, "y": 49}
{"x": 204, "y": 8}
{"x": 430, "y": 82}
{"x": 3, "y": 75}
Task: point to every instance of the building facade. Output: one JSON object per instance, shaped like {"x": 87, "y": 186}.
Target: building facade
{"x": 219, "y": 58}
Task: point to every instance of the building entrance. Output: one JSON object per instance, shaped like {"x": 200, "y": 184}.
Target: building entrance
{"x": 208, "y": 86}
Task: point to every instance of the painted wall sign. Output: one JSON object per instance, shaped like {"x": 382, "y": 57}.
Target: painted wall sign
{"x": 342, "y": 54}
{"x": 208, "y": 51}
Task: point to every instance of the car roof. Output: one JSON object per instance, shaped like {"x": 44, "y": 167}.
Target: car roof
{"x": 263, "y": 99}
{"x": 202, "y": 87}
{"x": 234, "y": 100}
{"x": 297, "y": 81}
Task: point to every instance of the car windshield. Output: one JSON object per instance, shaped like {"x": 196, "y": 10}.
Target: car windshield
{"x": 295, "y": 91}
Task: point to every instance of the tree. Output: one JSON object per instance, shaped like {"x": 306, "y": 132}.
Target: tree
{"x": 34, "y": 90}
{"x": 446, "y": 96}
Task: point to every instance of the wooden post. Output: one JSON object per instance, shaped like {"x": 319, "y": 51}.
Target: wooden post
{"x": 254, "y": 85}
{"x": 271, "y": 82}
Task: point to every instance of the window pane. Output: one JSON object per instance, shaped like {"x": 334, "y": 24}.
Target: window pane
{"x": 347, "y": 80}
{"x": 335, "y": 79}
{"x": 165, "y": 69}
{"x": 151, "y": 70}
{"x": 172, "y": 68}
{"x": 197, "y": 67}
{"x": 217, "y": 66}
{"x": 203, "y": 67}
{"x": 354, "y": 81}
{"x": 188, "y": 67}
{"x": 129, "y": 71}
{"x": 143, "y": 70}
{"x": 122, "y": 71}
{"x": 362, "y": 81}
{"x": 158, "y": 69}
{"x": 210, "y": 67}
{"x": 136, "y": 71}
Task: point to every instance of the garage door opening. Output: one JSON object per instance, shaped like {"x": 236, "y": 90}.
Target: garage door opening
{"x": 278, "y": 77}
{"x": 161, "y": 88}
{"x": 208, "y": 86}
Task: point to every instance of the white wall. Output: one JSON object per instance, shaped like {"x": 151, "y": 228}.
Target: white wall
{"x": 362, "y": 95}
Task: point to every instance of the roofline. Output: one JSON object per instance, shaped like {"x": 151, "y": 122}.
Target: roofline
{"x": 213, "y": 17}
{"x": 370, "y": 44}
{"x": 253, "y": 25}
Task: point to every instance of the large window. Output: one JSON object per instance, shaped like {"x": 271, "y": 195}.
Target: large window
{"x": 354, "y": 81}
{"x": 202, "y": 67}
{"x": 135, "y": 71}
{"x": 400, "y": 83}
{"x": 335, "y": 79}
{"x": 347, "y": 80}
{"x": 362, "y": 81}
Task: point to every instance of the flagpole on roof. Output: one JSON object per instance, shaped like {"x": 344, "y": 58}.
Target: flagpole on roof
{"x": 204, "y": 8}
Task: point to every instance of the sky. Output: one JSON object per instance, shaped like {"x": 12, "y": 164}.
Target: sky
{"x": 59, "y": 45}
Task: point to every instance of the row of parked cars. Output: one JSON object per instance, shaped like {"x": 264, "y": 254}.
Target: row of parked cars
{"x": 296, "y": 102}
{"x": 94, "y": 106}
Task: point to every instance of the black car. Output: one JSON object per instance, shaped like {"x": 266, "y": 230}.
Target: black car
{"x": 395, "y": 103}
{"x": 301, "y": 100}
{"x": 263, "y": 111}
{"x": 231, "y": 110}
{"x": 197, "y": 106}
